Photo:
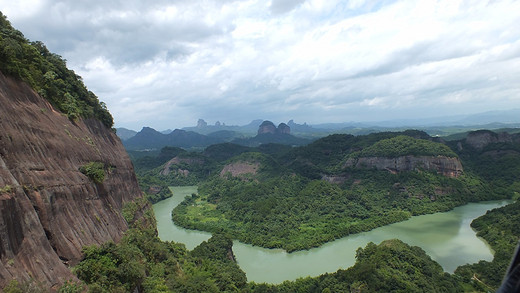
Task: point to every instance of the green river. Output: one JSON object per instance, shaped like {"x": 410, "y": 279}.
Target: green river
{"x": 446, "y": 237}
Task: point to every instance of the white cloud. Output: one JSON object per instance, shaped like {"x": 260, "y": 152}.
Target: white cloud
{"x": 169, "y": 63}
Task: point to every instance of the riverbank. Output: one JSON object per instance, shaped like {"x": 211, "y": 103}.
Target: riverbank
{"x": 446, "y": 237}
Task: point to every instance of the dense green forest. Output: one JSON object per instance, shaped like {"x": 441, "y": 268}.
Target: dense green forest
{"x": 303, "y": 197}
{"x": 293, "y": 212}
{"x": 142, "y": 261}
{"x": 48, "y": 75}
{"x": 172, "y": 166}
{"x": 324, "y": 156}
{"x": 289, "y": 202}
{"x": 403, "y": 145}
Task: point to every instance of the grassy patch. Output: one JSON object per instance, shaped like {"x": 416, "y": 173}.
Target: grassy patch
{"x": 95, "y": 171}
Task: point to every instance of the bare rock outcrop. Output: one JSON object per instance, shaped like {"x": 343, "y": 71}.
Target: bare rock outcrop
{"x": 335, "y": 179}
{"x": 201, "y": 123}
{"x": 49, "y": 210}
{"x": 446, "y": 166}
{"x": 481, "y": 138}
{"x": 269, "y": 127}
{"x": 167, "y": 167}
{"x": 238, "y": 169}
{"x": 284, "y": 128}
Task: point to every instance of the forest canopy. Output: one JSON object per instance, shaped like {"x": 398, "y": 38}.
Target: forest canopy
{"x": 403, "y": 145}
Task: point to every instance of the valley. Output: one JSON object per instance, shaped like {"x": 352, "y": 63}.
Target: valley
{"x": 299, "y": 198}
{"x": 446, "y": 237}
{"x": 258, "y": 208}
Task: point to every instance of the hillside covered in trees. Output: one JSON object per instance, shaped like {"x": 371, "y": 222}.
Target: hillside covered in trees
{"x": 142, "y": 261}
{"x": 246, "y": 205}
{"x": 298, "y": 198}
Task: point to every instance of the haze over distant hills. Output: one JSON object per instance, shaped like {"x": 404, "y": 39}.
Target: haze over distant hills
{"x": 491, "y": 117}
{"x": 435, "y": 126}
{"x": 149, "y": 138}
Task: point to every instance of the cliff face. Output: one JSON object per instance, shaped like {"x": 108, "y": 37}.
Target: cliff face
{"x": 166, "y": 170}
{"x": 266, "y": 127}
{"x": 446, "y": 166}
{"x": 481, "y": 138}
{"x": 283, "y": 128}
{"x": 49, "y": 210}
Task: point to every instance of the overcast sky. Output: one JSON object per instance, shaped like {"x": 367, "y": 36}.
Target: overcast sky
{"x": 165, "y": 64}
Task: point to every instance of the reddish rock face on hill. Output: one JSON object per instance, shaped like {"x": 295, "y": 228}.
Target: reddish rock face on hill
{"x": 481, "y": 138}
{"x": 268, "y": 127}
{"x": 284, "y": 128}
{"x": 450, "y": 167}
{"x": 49, "y": 210}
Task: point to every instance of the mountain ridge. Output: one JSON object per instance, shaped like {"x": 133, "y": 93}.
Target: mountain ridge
{"x": 50, "y": 205}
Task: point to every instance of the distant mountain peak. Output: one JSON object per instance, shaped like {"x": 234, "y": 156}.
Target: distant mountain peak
{"x": 269, "y": 127}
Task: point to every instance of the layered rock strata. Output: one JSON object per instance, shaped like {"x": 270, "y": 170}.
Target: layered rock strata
{"x": 49, "y": 209}
{"x": 446, "y": 166}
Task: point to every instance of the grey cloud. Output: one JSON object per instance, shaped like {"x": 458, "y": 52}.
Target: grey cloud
{"x": 73, "y": 26}
{"x": 283, "y": 6}
{"x": 192, "y": 65}
{"x": 419, "y": 53}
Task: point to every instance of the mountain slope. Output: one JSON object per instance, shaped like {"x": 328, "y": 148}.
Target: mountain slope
{"x": 124, "y": 133}
{"x": 299, "y": 198}
{"x": 149, "y": 138}
{"x": 51, "y": 204}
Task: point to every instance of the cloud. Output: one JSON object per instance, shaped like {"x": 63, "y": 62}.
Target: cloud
{"x": 283, "y": 6}
{"x": 167, "y": 63}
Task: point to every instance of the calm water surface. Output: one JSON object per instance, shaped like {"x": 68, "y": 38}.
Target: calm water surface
{"x": 446, "y": 237}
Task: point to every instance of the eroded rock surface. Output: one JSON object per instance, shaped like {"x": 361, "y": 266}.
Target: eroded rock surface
{"x": 238, "y": 169}
{"x": 167, "y": 167}
{"x": 480, "y": 139}
{"x": 451, "y": 167}
{"x": 49, "y": 210}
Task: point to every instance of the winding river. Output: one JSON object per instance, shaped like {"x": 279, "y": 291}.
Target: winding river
{"x": 446, "y": 237}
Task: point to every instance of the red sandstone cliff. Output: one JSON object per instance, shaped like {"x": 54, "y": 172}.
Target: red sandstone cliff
{"x": 481, "y": 138}
{"x": 266, "y": 127}
{"x": 49, "y": 210}
{"x": 446, "y": 166}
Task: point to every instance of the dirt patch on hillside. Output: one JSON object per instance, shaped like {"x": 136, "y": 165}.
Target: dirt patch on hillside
{"x": 190, "y": 161}
{"x": 240, "y": 168}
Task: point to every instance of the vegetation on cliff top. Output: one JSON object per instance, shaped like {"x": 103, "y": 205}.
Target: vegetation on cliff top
{"x": 48, "y": 75}
{"x": 403, "y": 145}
